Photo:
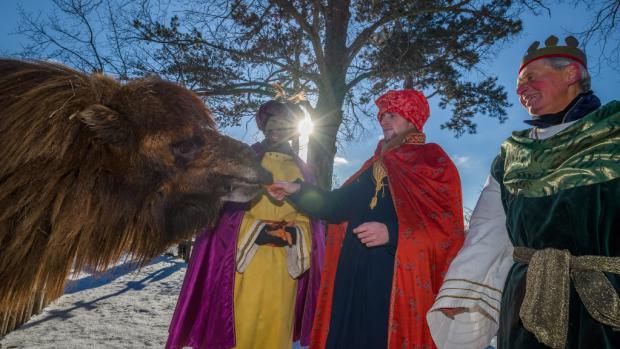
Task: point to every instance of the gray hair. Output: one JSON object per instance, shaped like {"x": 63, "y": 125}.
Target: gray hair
{"x": 560, "y": 63}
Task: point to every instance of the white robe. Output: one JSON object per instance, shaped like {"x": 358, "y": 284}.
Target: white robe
{"x": 477, "y": 274}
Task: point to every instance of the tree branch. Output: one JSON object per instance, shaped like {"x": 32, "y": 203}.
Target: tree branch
{"x": 358, "y": 79}
{"x": 366, "y": 33}
{"x": 37, "y": 33}
{"x": 312, "y": 34}
{"x": 117, "y": 44}
{"x": 317, "y": 10}
{"x": 288, "y": 66}
{"x": 231, "y": 91}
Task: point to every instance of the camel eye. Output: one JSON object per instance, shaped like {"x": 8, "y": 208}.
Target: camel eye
{"x": 183, "y": 147}
{"x": 187, "y": 150}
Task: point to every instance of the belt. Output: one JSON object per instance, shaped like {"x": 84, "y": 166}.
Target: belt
{"x": 544, "y": 310}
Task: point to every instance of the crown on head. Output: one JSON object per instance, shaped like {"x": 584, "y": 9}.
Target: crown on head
{"x": 551, "y": 49}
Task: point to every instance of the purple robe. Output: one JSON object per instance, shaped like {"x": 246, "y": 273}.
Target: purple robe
{"x": 204, "y": 316}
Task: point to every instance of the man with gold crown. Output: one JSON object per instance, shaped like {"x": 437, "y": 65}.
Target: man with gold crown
{"x": 252, "y": 280}
{"x": 553, "y": 194}
{"x": 396, "y": 225}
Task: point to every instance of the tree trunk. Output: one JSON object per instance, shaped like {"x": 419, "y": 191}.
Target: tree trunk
{"x": 332, "y": 90}
{"x": 322, "y": 142}
{"x": 408, "y": 84}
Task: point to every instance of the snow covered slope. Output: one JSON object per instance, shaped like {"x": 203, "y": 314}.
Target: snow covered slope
{"x": 121, "y": 308}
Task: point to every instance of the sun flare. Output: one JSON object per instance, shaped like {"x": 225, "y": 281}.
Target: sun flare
{"x": 305, "y": 126}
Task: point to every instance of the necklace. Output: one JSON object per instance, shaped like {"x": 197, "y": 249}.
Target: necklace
{"x": 378, "y": 173}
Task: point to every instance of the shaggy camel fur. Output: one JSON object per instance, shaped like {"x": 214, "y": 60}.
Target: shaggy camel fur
{"x": 92, "y": 170}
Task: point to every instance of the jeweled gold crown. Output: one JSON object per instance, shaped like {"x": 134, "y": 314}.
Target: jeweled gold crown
{"x": 552, "y": 49}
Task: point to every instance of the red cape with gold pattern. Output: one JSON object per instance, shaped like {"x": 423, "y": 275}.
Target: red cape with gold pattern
{"x": 426, "y": 190}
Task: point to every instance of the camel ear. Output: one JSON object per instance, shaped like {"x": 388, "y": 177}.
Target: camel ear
{"x": 106, "y": 124}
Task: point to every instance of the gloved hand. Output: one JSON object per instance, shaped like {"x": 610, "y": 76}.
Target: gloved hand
{"x": 277, "y": 235}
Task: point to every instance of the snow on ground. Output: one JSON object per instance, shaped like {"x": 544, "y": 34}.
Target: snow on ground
{"x": 120, "y": 308}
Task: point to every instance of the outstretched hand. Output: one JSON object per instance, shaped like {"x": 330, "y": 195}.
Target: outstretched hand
{"x": 372, "y": 234}
{"x": 281, "y": 189}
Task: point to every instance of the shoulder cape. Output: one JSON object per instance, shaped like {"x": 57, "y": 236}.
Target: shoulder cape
{"x": 574, "y": 157}
{"x": 426, "y": 190}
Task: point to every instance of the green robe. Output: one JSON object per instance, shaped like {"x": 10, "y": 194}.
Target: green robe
{"x": 564, "y": 193}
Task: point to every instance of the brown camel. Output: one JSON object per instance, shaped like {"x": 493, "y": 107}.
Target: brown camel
{"x": 92, "y": 169}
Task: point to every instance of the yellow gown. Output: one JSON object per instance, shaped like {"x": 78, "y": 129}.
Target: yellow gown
{"x": 264, "y": 295}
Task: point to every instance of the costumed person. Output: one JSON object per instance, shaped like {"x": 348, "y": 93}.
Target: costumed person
{"x": 252, "y": 280}
{"x": 553, "y": 194}
{"x": 400, "y": 224}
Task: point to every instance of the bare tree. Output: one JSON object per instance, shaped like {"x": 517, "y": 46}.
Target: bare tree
{"x": 342, "y": 53}
{"x": 86, "y": 34}
{"x": 603, "y": 30}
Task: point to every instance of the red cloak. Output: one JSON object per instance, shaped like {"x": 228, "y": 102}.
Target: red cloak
{"x": 426, "y": 190}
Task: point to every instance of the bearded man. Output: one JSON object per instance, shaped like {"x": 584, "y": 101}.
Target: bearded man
{"x": 553, "y": 194}
{"x": 397, "y": 223}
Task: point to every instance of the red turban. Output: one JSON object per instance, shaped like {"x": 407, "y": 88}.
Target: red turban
{"x": 410, "y": 104}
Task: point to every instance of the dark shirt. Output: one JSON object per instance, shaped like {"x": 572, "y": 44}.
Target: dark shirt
{"x": 363, "y": 282}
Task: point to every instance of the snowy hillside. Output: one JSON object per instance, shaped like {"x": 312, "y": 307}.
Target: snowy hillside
{"x": 121, "y": 308}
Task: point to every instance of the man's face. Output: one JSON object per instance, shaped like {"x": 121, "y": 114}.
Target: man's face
{"x": 545, "y": 90}
{"x": 393, "y": 125}
{"x": 279, "y": 129}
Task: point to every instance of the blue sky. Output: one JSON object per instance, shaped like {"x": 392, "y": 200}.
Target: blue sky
{"x": 471, "y": 153}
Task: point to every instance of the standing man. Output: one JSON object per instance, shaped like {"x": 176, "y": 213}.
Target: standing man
{"x": 400, "y": 224}
{"x": 553, "y": 194}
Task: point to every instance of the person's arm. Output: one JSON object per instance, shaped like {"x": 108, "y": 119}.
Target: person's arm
{"x": 333, "y": 206}
{"x": 466, "y": 311}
